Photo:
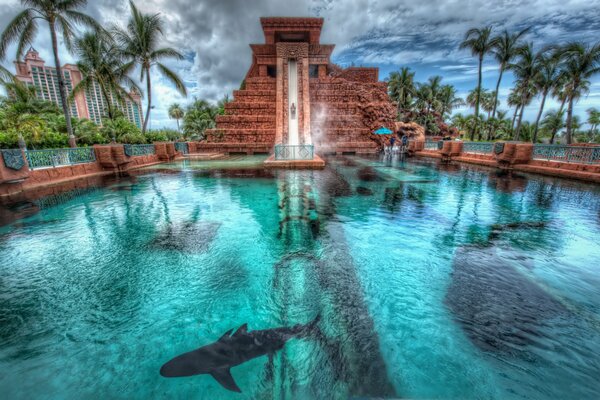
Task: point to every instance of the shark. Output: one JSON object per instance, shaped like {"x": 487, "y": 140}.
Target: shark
{"x": 232, "y": 349}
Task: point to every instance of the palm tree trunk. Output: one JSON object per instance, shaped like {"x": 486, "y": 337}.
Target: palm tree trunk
{"x": 61, "y": 86}
{"x": 518, "y": 128}
{"x": 149, "y": 87}
{"x": 476, "y": 120}
{"x": 178, "y": 130}
{"x": 108, "y": 104}
{"x": 560, "y": 110}
{"x": 497, "y": 88}
{"x": 537, "y": 121}
{"x": 512, "y": 125}
{"x": 570, "y": 120}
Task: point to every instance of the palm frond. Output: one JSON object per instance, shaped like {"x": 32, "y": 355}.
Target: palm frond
{"x": 26, "y": 38}
{"x": 173, "y": 78}
{"x": 166, "y": 53}
{"x": 15, "y": 29}
{"x": 66, "y": 29}
{"x": 82, "y": 19}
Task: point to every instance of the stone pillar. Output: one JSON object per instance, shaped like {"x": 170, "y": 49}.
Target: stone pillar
{"x": 513, "y": 153}
{"x": 523, "y": 153}
{"x": 279, "y": 103}
{"x": 111, "y": 157}
{"x": 306, "y": 134}
{"x": 160, "y": 148}
{"x": 456, "y": 148}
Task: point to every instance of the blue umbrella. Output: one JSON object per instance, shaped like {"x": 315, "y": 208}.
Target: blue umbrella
{"x": 383, "y": 131}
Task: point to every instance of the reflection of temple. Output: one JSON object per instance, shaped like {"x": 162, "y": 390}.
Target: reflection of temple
{"x": 294, "y": 95}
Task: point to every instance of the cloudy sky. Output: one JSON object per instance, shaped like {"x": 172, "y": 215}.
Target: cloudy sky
{"x": 424, "y": 35}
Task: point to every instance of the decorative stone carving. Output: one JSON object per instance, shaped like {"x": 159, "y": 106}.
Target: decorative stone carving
{"x": 292, "y": 50}
{"x": 13, "y": 159}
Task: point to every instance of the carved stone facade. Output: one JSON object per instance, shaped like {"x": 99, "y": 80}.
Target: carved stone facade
{"x": 337, "y": 110}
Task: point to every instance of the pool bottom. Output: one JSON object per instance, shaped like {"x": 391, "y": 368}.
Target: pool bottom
{"x": 130, "y": 289}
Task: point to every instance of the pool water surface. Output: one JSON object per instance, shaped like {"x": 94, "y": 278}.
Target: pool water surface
{"x": 430, "y": 281}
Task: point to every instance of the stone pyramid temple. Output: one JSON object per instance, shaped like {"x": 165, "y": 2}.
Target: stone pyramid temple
{"x": 294, "y": 95}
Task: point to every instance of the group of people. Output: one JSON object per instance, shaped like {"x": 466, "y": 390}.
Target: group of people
{"x": 393, "y": 146}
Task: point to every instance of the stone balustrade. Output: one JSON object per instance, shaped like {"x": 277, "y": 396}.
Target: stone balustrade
{"x": 17, "y": 175}
{"x": 575, "y": 162}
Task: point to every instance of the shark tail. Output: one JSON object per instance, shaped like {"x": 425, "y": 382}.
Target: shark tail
{"x": 310, "y": 328}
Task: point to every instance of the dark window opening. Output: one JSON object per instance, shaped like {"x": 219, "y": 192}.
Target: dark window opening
{"x": 313, "y": 71}
{"x": 272, "y": 71}
{"x": 294, "y": 37}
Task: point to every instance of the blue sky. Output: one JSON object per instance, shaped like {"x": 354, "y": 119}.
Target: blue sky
{"x": 389, "y": 34}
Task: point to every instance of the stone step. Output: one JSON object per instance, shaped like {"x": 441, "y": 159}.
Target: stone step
{"x": 260, "y": 86}
{"x": 246, "y": 125}
{"x": 247, "y": 92}
{"x": 245, "y": 118}
{"x": 243, "y": 131}
{"x": 261, "y": 79}
{"x": 250, "y": 98}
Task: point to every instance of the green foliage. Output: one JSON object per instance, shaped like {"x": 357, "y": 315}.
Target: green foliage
{"x": 162, "y": 135}
{"x": 122, "y": 131}
{"x": 200, "y": 116}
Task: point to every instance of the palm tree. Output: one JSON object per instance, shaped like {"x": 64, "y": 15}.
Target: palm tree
{"x": 479, "y": 42}
{"x": 60, "y": 16}
{"x": 176, "y": 113}
{"x": 199, "y": 116}
{"x": 460, "y": 122}
{"x": 139, "y": 44}
{"x": 593, "y": 120}
{"x": 514, "y": 99}
{"x": 402, "y": 88}
{"x": 429, "y": 93}
{"x": 553, "y": 122}
{"x": 546, "y": 79}
{"x": 504, "y": 49}
{"x": 449, "y": 100}
{"x": 525, "y": 70}
{"x": 581, "y": 62}
{"x": 101, "y": 65}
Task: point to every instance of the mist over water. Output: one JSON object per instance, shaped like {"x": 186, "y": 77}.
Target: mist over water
{"x": 432, "y": 281}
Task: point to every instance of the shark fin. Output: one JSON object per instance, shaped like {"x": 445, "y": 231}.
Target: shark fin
{"x": 225, "y": 335}
{"x": 241, "y": 330}
{"x": 223, "y": 376}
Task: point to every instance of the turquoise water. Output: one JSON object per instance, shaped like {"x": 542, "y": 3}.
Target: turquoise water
{"x": 432, "y": 281}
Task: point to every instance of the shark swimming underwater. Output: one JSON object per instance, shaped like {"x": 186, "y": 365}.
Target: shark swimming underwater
{"x": 234, "y": 349}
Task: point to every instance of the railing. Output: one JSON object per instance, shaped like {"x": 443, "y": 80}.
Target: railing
{"x": 568, "y": 154}
{"x": 294, "y": 152}
{"x": 138, "y": 149}
{"x": 50, "y": 158}
{"x": 182, "y": 147}
{"x": 431, "y": 145}
{"x": 478, "y": 147}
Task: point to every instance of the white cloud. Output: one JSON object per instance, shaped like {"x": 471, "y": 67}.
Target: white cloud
{"x": 386, "y": 32}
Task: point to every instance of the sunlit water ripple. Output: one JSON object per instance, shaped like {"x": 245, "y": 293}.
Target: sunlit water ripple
{"x": 431, "y": 281}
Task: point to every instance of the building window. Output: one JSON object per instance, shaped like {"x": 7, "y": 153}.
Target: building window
{"x": 272, "y": 71}
{"x": 313, "y": 71}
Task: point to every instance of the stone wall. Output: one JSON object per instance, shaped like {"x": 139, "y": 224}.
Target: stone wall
{"x": 109, "y": 159}
{"x": 513, "y": 156}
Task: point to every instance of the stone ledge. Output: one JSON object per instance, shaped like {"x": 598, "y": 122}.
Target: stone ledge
{"x": 316, "y": 163}
{"x": 562, "y": 173}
